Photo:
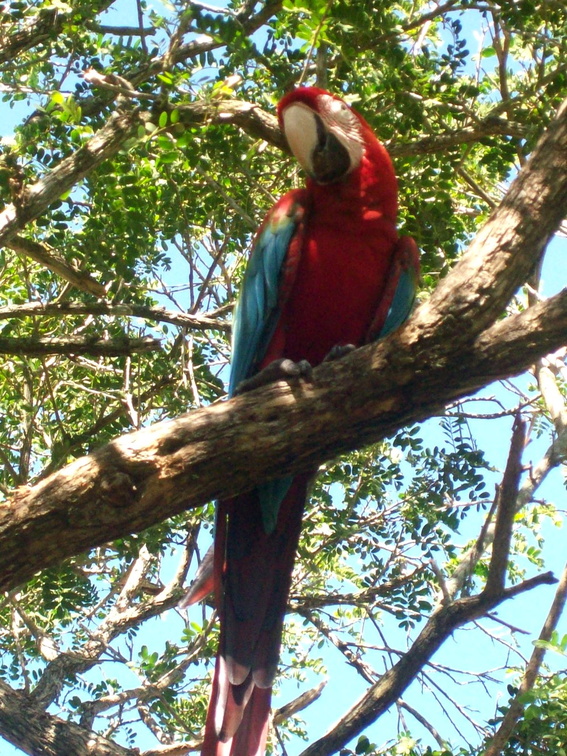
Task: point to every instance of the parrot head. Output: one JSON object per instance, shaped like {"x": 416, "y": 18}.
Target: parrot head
{"x": 326, "y": 136}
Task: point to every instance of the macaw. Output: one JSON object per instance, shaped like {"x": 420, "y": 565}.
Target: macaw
{"x": 327, "y": 270}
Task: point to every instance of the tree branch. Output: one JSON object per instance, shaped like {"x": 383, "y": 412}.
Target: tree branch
{"x": 380, "y": 696}
{"x": 49, "y": 258}
{"x": 424, "y": 723}
{"x": 46, "y": 25}
{"x": 302, "y": 603}
{"x": 150, "y": 475}
{"x": 363, "y": 669}
{"x": 125, "y": 613}
{"x": 147, "y": 476}
{"x": 302, "y": 701}
{"x": 118, "y": 310}
{"x": 517, "y": 706}
{"x": 507, "y": 499}
{"x": 261, "y": 124}
{"x": 73, "y": 345}
{"x": 438, "y": 356}
{"x": 35, "y": 199}
{"x": 35, "y": 731}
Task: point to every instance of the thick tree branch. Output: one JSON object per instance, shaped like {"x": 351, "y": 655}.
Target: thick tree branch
{"x": 35, "y": 731}
{"x": 150, "y": 475}
{"x": 118, "y": 310}
{"x": 444, "y": 142}
{"x": 440, "y": 355}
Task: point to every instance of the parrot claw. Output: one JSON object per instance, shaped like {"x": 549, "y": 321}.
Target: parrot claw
{"x": 339, "y": 351}
{"x": 278, "y": 370}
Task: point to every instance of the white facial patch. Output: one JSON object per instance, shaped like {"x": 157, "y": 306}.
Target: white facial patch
{"x": 343, "y": 123}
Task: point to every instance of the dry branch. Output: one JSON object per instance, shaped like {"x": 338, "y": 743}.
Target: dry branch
{"x": 75, "y": 345}
{"x": 380, "y": 696}
{"x": 115, "y": 310}
{"x": 49, "y": 258}
{"x": 516, "y": 709}
{"x": 298, "y": 704}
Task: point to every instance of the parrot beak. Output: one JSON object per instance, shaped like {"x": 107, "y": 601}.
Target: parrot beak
{"x": 320, "y": 153}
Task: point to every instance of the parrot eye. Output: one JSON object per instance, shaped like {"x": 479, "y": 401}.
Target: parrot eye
{"x": 338, "y": 108}
{"x": 338, "y": 115}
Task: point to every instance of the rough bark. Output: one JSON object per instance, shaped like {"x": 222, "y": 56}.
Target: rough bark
{"x": 152, "y": 474}
{"x": 41, "y": 734}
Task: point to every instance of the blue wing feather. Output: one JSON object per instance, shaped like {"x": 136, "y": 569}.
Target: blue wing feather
{"x": 399, "y": 292}
{"x": 256, "y": 316}
{"x": 256, "y": 312}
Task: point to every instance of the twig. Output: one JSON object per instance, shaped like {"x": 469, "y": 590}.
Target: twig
{"x": 48, "y": 257}
{"x": 507, "y": 498}
{"x": 298, "y": 704}
{"x": 423, "y": 722}
{"x": 118, "y": 310}
{"x": 74, "y": 345}
{"x": 517, "y": 706}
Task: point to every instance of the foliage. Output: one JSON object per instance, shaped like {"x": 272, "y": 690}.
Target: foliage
{"x": 460, "y": 93}
{"x": 544, "y": 723}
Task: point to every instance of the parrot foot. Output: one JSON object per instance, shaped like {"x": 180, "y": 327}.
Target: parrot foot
{"x": 278, "y": 370}
{"x": 339, "y": 351}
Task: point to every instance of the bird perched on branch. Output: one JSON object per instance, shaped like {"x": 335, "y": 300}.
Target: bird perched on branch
{"x": 327, "y": 271}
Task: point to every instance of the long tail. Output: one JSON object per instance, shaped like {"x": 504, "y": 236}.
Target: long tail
{"x": 252, "y": 580}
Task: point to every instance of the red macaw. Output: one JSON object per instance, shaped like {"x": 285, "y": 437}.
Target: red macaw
{"x": 327, "y": 269}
